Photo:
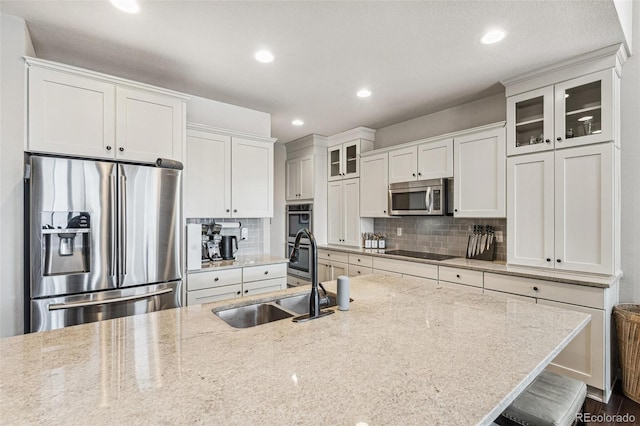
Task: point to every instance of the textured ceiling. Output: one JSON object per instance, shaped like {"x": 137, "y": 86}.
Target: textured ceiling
{"x": 416, "y": 57}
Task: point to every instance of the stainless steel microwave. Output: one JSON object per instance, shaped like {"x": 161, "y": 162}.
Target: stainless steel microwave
{"x": 420, "y": 198}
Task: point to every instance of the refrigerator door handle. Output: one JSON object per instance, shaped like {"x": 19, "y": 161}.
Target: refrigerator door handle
{"x": 112, "y": 224}
{"x": 73, "y": 305}
{"x": 122, "y": 220}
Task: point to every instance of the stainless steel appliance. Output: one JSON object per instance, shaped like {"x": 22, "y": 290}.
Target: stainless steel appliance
{"x": 299, "y": 217}
{"x": 420, "y": 198}
{"x": 104, "y": 241}
{"x": 419, "y": 254}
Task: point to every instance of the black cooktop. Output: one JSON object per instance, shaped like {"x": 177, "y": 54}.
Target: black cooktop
{"x": 419, "y": 254}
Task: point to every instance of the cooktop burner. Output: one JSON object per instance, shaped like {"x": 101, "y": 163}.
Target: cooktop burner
{"x": 419, "y": 254}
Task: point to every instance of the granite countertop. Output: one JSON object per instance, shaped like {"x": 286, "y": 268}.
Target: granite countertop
{"x": 239, "y": 262}
{"x": 499, "y": 267}
{"x": 406, "y": 352}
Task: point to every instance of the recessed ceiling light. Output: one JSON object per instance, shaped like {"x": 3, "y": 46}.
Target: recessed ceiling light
{"x": 493, "y": 37}
{"x": 297, "y": 122}
{"x": 128, "y": 6}
{"x": 364, "y": 93}
{"x": 264, "y": 56}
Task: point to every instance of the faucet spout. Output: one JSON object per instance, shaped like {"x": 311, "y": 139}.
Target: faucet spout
{"x": 314, "y": 297}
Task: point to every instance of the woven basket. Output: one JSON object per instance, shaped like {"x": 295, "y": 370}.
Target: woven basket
{"x": 627, "y": 318}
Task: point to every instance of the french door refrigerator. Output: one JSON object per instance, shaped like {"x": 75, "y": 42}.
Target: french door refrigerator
{"x": 104, "y": 241}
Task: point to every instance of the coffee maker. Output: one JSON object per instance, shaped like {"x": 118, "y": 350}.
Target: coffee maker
{"x": 211, "y": 242}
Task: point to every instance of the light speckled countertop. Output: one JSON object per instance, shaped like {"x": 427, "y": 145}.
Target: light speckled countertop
{"x": 239, "y": 262}
{"x": 405, "y": 353}
{"x": 590, "y": 280}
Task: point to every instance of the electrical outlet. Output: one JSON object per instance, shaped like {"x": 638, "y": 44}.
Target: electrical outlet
{"x": 244, "y": 233}
{"x": 399, "y": 232}
{"x": 499, "y": 236}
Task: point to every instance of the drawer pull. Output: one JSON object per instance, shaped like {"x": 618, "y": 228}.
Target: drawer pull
{"x": 266, "y": 272}
{"x": 246, "y": 291}
{"x": 535, "y": 288}
{"x": 216, "y": 279}
{"x": 457, "y": 275}
{"x": 238, "y": 292}
{"x": 358, "y": 260}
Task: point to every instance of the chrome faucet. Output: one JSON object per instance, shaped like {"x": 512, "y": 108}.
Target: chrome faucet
{"x": 314, "y": 298}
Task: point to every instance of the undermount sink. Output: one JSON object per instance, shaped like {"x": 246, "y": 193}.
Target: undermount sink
{"x": 300, "y": 304}
{"x": 252, "y": 315}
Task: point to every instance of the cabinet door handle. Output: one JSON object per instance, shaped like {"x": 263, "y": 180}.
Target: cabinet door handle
{"x": 121, "y": 149}
{"x": 238, "y": 292}
{"x": 413, "y": 174}
{"x": 108, "y": 147}
{"x": 558, "y": 260}
{"x": 455, "y": 210}
{"x": 384, "y": 211}
{"x": 535, "y": 288}
{"x": 419, "y": 174}
{"x": 548, "y": 140}
{"x": 559, "y": 139}
{"x": 548, "y": 259}
{"x": 227, "y": 210}
{"x": 235, "y": 210}
{"x": 246, "y": 291}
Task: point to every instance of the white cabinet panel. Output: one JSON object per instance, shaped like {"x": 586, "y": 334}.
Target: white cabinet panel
{"x": 530, "y": 209}
{"x": 356, "y": 271}
{"x": 351, "y": 218}
{"x": 293, "y": 179}
{"x": 262, "y": 272}
{"x": 71, "y": 114}
{"x": 403, "y": 164}
{"x": 300, "y": 176}
{"x": 584, "y": 199}
{"x": 460, "y": 276}
{"x": 252, "y": 178}
{"x": 335, "y": 212}
{"x": 306, "y": 177}
{"x": 339, "y": 269}
{"x": 214, "y": 294}
{"x": 584, "y": 358}
{"x": 208, "y": 175}
{"x": 374, "y": 185}
{"x": 149, "y": 126}
{"x": 344, "y": 159}
{"x": 479, "y": 170}
{"x": 435, "y": 159}
{"x": 202, "y": 280}
{"x": 264, "y": 286}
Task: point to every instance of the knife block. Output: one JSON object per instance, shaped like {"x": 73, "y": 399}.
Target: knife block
{"x": 489, "y": 252}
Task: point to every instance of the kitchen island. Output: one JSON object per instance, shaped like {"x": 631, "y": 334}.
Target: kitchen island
{"x": 406, "y": 352}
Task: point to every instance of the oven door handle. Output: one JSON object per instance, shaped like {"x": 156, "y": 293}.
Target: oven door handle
{"x": 74, "y": 305}
{"x": 429, "y": 200}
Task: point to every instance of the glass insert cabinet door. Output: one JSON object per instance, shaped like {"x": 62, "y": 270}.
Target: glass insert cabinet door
{"x": 530, "y": 121}
{"x": 335, "y": 163}
{"x": 584, "y": 110}
{"x": 344, "y": 160}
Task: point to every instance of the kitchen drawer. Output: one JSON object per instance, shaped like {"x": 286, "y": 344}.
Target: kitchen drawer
{"x": 560, "y": 292}
{"x": 360, "y": 260}
{"x": 460, "y": 276}
{"x": 202, "y": 280}
{"x": 214, "y": 294}
{"x": 297, "y": 281}
{"x": 510, "y": 296}
{"x": 264, "y": 286}
{"x": 423, "y": 270}
{"x": 264, "y": 272}
{"x": 356, "y": 270}
{"x": 336, "y": 256}
{"x": 464, "y": 287}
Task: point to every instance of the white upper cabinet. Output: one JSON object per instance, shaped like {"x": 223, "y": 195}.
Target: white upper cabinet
{"x": 300, "y": 178}
{"x": 148, "y": 126}
{"x": 252, "y": 178}
{"x": 71, "y": 114}
{"x": 207, "y": 183}
{"x": 574, "y": 112}
{"x": 343, "y": 224}
{"x": 430, "y": 160}
{"x": 343, "y": 160}
{"x": 374, "y": 185}
{"x": 479, "y": 169}
{"x": 561, "y": 209}
{"x": 83, "y": 113}
{"x": 227, "y": 175}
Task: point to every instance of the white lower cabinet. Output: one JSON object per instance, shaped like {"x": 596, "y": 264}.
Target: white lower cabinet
{"x": 212, "y": 286}
{"x": 589, "y": 356}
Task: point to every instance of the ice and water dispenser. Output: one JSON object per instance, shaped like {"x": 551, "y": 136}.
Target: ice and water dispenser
{"x": 66, "y": 238}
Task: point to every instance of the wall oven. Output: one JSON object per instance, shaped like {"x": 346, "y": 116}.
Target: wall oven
{"x": 419, "y": 198}
{"x": 299, "y": 216}
{"x": 302, "y": 267}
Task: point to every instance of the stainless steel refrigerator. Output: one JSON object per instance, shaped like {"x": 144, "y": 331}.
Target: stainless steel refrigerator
{"x": 104, "y": 241}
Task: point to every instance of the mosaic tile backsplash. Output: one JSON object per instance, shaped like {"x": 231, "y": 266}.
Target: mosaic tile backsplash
{"x": 437, "y": 234}
{"x": 254, "y": 242}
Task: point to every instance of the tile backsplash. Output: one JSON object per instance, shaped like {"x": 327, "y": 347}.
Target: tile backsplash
{"x": 437, "y": 234}
{"x": 255, "y": 240}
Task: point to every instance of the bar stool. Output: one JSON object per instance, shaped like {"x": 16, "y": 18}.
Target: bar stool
{"x": 551, "y": 400}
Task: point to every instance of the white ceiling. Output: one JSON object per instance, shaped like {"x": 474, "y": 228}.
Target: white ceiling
{"x": 416, "y": 57}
